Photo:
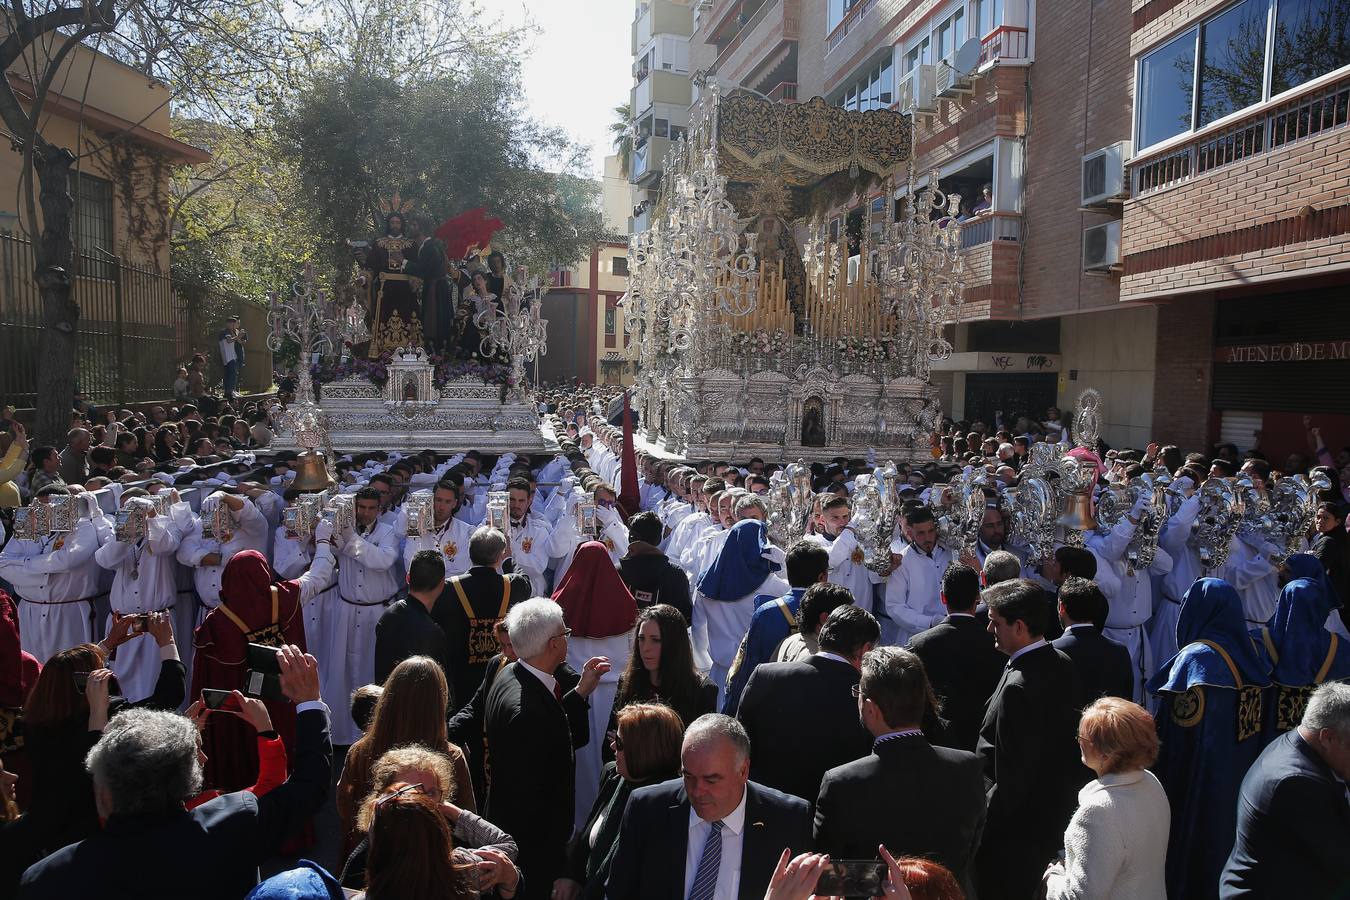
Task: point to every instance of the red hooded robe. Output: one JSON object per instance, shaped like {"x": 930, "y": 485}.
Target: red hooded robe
{"x": 594, "y": 599}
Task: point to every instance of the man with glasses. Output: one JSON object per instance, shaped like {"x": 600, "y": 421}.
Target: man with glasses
{"x": 531, "y": 741}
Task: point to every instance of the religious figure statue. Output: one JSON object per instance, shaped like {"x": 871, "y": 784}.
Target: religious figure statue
{"x": 813, "y": 423}
{"x": 393, "y": 303}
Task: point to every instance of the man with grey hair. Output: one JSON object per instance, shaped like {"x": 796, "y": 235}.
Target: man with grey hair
{"x": 532, "y": 735}
{"x": 751, "y": 506}
{"x": 1293, "y": 823}
{"x": 713, "y": 834}
{"x": 145, "y": 766}
{"x": 1000, "y": 566}
{"x": 471, "y": 605}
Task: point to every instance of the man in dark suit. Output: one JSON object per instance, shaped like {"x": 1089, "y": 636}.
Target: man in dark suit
{"x": 1028, "y": 746}
{"x": 715, "y": 834}
{"x": 916, "y": 798}
{"x": 406, "y": 628}
{"x": 531, "y": 741}
{"x": 1293, "y": 820}
{"x": 145, "y": 766}
{"x": 959, "y": 658}
{"x": 1103, "y": 665}
{"x": 470, "y": 607}
{"x": 802, "y": 716}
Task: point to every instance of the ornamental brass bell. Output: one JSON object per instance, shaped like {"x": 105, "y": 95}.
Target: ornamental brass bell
{"x": 311, "y": 473}
{"x": 1076, "y": 514}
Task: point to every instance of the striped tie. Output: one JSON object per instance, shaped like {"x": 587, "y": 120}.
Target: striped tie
{"x": 705, "y": 877}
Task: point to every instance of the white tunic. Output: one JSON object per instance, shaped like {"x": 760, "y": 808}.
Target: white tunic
{"x": 56, "y": 579}
{"x": 366, "y": 583}
{"x": 293, "y": 558}
{"x": 563, "y": 544}
{"x": 145, "y": 579}
{"x": 914, "y": 594}
{"x": 529, "y": 551}
{"x": 250, "y": 533}
{"x": 846, "y": 566}
{"x": 717, "y": 626}
{"x": 451, "y": 539}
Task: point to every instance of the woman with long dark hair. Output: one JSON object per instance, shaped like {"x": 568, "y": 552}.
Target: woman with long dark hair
{"x": 661, "y": 670}
{"x": 1331, "y": 546}
{"x": 411, "y": 710}
{"x": 166, "y": 448}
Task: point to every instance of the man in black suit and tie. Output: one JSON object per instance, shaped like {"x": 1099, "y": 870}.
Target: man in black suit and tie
{"x": 802, "y": 716}
{"x": 1028, "y": 745}
{"x": 916, "y": 798}
{"x": 531, "y": 766}
{"x": 713, "y": 835}
{"x": 1293, "y": 820}
{"x": 1103, "y": 665}
{"x": 959, "y": 658}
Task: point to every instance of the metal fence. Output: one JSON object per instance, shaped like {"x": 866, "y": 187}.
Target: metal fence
{"x": 136, "y": 326}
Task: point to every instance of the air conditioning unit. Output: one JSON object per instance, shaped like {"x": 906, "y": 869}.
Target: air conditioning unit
{"x": 951, "y": 82}
{"x": 915, "y": 93}
{"x": 1104, "y": 175}
{"x": 1101, "y": 247}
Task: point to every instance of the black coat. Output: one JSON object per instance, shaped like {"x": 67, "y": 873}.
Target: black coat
{"x": 407, "y": 629}
{"x": 531, "y": 772}
{"x": 654, "y": 841}
{"x": 703, "y": 701}
{"x": 963, "y": 667}
{"x": 210, "y": 852}
{"x": 1029, "y": 748}
{"x": 916, "y": 798}
{"x": 1103, "y": 665}
{"x": 589, "y": 866}
{"x": 1293, "y": 828}
{"x": 793, "y": 752}
{"x": 654, "y": 579}
{"x": 483, "y": 586}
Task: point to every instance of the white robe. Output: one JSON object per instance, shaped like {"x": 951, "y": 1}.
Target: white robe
{"x": 45, "y": 573}
{"x": 589, "y": 758}
{"x": 717, "y": 627}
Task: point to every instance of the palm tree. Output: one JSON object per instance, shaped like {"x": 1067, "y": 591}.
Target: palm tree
{"x": 622, "y": 131}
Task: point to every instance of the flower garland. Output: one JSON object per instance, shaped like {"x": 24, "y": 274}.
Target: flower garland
{"x": 766, "y": 343}
{"x": 445, "y": 369}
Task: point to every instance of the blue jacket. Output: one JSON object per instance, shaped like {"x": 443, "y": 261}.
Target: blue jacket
{"x": 768, "y": 628}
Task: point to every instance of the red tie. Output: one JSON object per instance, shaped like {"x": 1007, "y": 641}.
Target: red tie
{"x": 557, "y": 691}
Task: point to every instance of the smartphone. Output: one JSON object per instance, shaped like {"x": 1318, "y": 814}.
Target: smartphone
{"x": 140, "y": 623}
{"x": 217, "y": 699}
{"x": 853, "y": 878}
{"x": 82, "y": 679}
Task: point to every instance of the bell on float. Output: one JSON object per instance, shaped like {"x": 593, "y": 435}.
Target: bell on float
{"x": 1076, "y": 514}
{"x": 311, "y": 473}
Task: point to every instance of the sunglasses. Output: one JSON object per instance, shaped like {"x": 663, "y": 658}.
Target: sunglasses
{"x": 616, "y": 742}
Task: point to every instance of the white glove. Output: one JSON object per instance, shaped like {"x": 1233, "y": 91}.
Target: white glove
{"x": 1184, "y": 484}
{"x": 1189, "y": 505}
{"x": 323, "y": 531}
{"x": 1140, "y": 506}
{"x": 607, "y": 515}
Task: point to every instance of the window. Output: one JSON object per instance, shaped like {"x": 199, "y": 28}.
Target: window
{"x": 610, "y": 321}
{"x": 836, "y": 12}
{"x": 950, "y": 34}
{"x": 620, "y": 265}
{"x": 886, "y": 95}
{"x": 1232, "y": 61}
{"x": 1164, "y": 96}
{"x": 662, "y": 128}
{"x": 1312, "y": 37}
{"x": 94, "y": 225}
{"x": 919, "y": 55}
{"x": 677, "y": 132}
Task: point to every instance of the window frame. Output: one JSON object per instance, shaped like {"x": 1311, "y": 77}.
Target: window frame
{"x": 1196, "y": 30}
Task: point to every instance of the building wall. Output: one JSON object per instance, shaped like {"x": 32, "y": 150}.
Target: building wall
{"x": 616, "y": 197}
{"x": 1080, "y": 102}
{"x": 1184, "y": 372}
{"x": 1113, "y": 351}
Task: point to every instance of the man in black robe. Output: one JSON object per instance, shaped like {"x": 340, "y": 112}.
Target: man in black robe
{"x": 441, "y": 288}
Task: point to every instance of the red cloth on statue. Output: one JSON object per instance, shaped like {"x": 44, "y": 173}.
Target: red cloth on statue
{"x": 594, "y": 599}
{"x": 474, "y": 228}
{"x": 220, "y": 662}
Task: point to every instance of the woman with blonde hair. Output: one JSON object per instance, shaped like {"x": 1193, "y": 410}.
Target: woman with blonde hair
{"x": 411, "y": 710}
{"x": 477, "y": 841}
{"x": 1116, "y": 842}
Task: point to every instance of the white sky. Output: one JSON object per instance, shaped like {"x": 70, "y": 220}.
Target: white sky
{"x": 580, "y": 67}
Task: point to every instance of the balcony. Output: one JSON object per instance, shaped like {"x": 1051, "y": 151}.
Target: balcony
{"x": 991, "y": 227}
{"x": 785, "y": 92}
{"x": 852, "y": 19}
{"x": 1005, "y": 43}
{"x": 648, "y": 159}
{"x": 755, "y": 45}
{"x": 661, "y": 87}
{"x": 661, "y": 17}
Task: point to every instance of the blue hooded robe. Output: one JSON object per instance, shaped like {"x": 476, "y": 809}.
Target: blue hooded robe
{"x": 1210, "y": 723}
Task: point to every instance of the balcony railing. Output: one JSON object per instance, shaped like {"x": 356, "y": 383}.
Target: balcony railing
{"x": 785, "y": 91}
{"x": 1004, "y": 42}
{"x": 1266, "y": 130}
{"x": 990, "y": 227}
{"x": 789, "y": 29}
{"x": 849, "y": 22}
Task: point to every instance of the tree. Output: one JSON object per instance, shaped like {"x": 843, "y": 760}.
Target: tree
{"x": 621, "y": 130}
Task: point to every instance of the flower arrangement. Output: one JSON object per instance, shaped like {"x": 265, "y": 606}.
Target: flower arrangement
{"x": 445, "y": 368}
{"x": 765, "y": 343}
{"x": 375, "y": 371}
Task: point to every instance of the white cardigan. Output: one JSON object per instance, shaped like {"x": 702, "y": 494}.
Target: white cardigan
{"x": 1116, "y": 842}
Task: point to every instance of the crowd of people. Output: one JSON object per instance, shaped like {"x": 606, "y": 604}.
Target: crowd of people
{"x": 575, "y": 681}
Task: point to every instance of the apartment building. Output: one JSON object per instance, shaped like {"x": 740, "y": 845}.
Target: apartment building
{"x": 661, "y": 96}
{"x": 588, "y": 335}
{"x": 1238, "y": 220}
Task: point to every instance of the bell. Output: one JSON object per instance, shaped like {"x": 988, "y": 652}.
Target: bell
{"x": 311, "y": 474}
{"x": 1076, "y": 514}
